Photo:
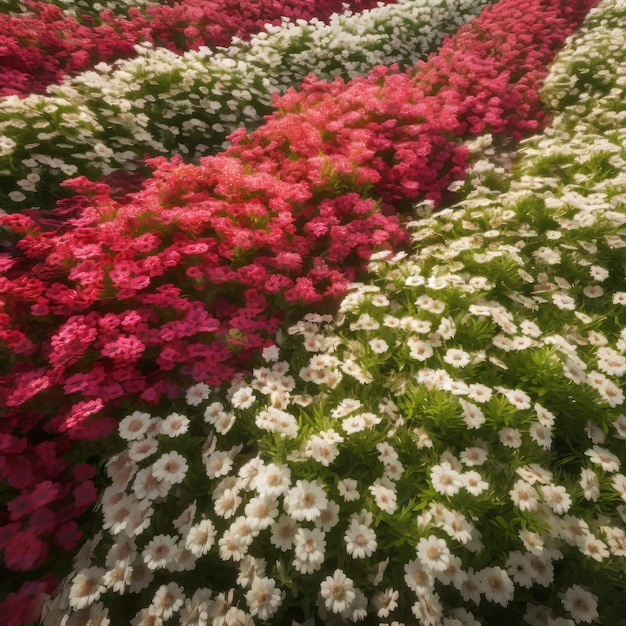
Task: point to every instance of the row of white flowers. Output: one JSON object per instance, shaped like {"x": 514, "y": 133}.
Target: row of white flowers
{"x": 448, "y": 449}
{"x": 162, "y": 104}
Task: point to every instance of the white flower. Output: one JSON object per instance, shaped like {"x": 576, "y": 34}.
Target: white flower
{"x": 479, "y": 393}
{"x": 474, "y": 483}
{"x": 261, "y": 511}
{"x": 329, "y": 517}
{"x": 197, "y": 393}
{"x": 605, "y": 459}
{"x": 264, "y": 598}
{"x": 494, "y": 583}
{"x": 142, "y": 449}
{"x": 196, "y": 609}
{"x": 524, "y": 496}
{"x": 582, "y": 605}
{"x": 218, "y": 463}
{"x": 272, "y": 480}
{"x": 384, "y": 495}
{"x": 456, "y": 358}
{"x": 419, "y": 349}
{"x": 323, "y": 447}
{"x": 87, "y": 587}
{"x": 386, "y": 601}
{"x": 243, "y": 398}
{"x": 347, "y": 488}
{"x": 309, "y": 550}
{"x": 167, "y": 600}
{"x": 378, "y": 346}
{"x": 338, "y": 592}
{"x": 135, "y": 426}
{"x": 589, "y": 484}
{"x": 510, "y": 437}
{"x": 305, "y": 500}
{"x": 473, "y": 456}
{"x": 519, "y": 569}
{"x": 417, "y": 577}
{"x": 517, "y": 398}
{"x": 547, "y": 255}
{"x": 445, "y": 479}
{"x": 200, "y": 538}
{"x": 161, "y": 552}
{"x": 556, "y": 498}
{"x": 541, "y": 434}
{"x": 591, "y": 546}
{"x": 360, "y": 540}
{"x": 472, "y": 414}
{"x": 283, "y": 532}
{"x": 434, "y": 553}
{"x": 171, "y": 467}
{"x": 174, "y": 425}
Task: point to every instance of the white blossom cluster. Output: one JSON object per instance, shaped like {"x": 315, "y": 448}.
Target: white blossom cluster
{"x": 161, "y": 103}
{"x": 450, "y": 448}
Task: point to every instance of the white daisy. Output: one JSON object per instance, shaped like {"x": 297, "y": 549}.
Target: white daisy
{"x": 608, "y": 461}
{"x": 172, "y": 468}
{"x": 590, "y": 484}
{"x": 386, "y": 601}
{"x": 360, "y": 540}
{"x": 472, "y": 414}
{"x": 417, "y": 577}
{"x": 249, "y": 569}
{"x": 142, "y": 449}
{"x": 243, "y": 398}
{"x": 434, "y": 553}
{"x": 305, "y": 500}
{"x": 272, "y": 480}
{"x": 557, "y": 498}
{"x": 135, "y": 426}
{"x": 167, "y": 600}
{"x": 161, "y": 551}
{"x": 261, "y": 511}
{"x": 87, "y": 587}
{"x": 338, "y": 592}
{"x": 494, "y": 583}
{"x": 445, "y": 479}
{"x": 174, "y": 425}
{"x": 510, "y": 437}
{"x": 347, "y": 488}
{"x": 310, "y": 546}
{"x": 197, "y": 394}
{"x": 200, "y": 538}
{"x": 384, "y": 495}
{"x": 473, "y": 456}
{"x": 263, "y": 598}
{"x": 283, "y": 532}
{"x": 524, "y": 496}
{"x": 581, "y": 604}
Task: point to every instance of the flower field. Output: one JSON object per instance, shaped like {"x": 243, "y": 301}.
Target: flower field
{"x": 313, "y": 313}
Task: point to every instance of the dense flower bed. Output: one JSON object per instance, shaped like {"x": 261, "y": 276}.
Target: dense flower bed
{"x": 472, "y": 386}
{"x": 41, "y": 47}
{"x": 124, "y": 306}
{"x": 162, "y": 104}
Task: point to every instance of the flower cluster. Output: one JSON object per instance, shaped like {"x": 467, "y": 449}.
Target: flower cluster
{"x": 449, "y": 448}
{"x": 130, "y": 303}
{"x": 161, "y": 103}
{"x": 42, "y": 46}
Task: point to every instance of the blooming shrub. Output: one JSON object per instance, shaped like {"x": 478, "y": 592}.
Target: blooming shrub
{"x": 132, "y": 302}
{"x": 161, "y": 103}
{"x": 43, "y": 46}
{"x": 447, "y": 449}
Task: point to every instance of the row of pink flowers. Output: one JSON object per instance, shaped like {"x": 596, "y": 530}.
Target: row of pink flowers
{"x": 41, "y": 47}
{"x": 131, "y": 302}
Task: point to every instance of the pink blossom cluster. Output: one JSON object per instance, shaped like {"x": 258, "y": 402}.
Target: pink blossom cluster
{"x": 129, "y": 302}
{"x": 41, "y": 47}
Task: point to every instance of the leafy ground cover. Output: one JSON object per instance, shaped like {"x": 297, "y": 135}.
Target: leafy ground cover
{"x": 469, "y": 386}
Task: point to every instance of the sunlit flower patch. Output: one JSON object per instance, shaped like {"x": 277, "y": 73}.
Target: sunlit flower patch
{"x": 447, "y": 449}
